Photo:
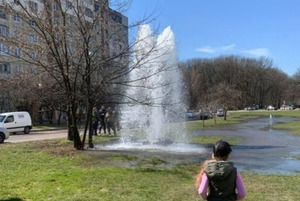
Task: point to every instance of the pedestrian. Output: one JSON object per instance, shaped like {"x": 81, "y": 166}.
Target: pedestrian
{"x": 218, "y": 179}
{"x": 110, "y": 121}
{"x": 95, "y": 120}
{"x": 101, "y": 114}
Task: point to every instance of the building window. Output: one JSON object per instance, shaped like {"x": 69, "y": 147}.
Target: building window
{"x": 4, "y": 50}
{"x": 18, "y": 52}
{"x": 89, "y": 2}
{"x": 5, "y": 68}
{"x": 96, "y": 7}
{"x": 2, "y": 13}
{"x": 33, "y": 6}
{"x": 33, "y": 71}
{"x": 89, "y": 12}
{"x": 70, "y": 48}
{"x": 55, "y": 6}
{"x": 33, "y": 38}
{"x": 4, "y": 31}
{"x": 33, "y": 55}
{"x": 69, "y": 4}
{"x": 116, "y": 18}
{"x": 17, "y": 18}
{"x": 17, "y": 2}
{"x": 32, "y": 23}
{"x": 69, "y": 19}
{"x": 18, "y": 69}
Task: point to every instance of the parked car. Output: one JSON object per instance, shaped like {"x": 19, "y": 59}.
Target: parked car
{"x": 16, "y": 122}
{"x": 4, "y": 134}
{"x": 205, "y": 114}
{"x": 220, "y": 112}
{"x": 190, "y": 115}
{"x": 287, "y": 107}
{"x": 270, "y": 107}
{"x": 249, "y": 108}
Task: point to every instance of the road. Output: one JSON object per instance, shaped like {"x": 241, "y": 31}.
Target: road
{"x": 37, "y": 135}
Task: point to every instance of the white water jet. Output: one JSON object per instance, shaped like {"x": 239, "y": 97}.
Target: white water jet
{"x": 156, "y": 92}
{"x": 271, "y": 122}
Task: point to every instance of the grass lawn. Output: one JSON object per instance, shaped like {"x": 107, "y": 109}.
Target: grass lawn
{"x": 53, "y": 170}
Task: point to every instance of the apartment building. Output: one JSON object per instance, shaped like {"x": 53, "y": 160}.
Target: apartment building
{"x": 22, "y": 45}
{"x": 18, "y": 40}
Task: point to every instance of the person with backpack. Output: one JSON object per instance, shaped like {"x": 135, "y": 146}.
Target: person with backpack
{"x": 218, "y": 179}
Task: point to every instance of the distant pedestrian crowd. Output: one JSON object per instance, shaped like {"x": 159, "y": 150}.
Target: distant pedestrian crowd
{"x": 105, "y": 120}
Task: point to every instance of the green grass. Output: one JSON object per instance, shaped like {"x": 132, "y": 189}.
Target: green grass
{"x": 272, "y": 187}
{"x": 209, "y": 140}
{"x": 297, "y": 157}
{"x": 53, "y": 170}
{"x": 293, "y": 127}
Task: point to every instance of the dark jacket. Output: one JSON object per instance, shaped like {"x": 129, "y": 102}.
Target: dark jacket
{"x": 102, "y": 113}
{"x": 222, "y": 181}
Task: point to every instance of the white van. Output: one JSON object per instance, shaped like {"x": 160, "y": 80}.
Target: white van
{"x": 16, "y": 122}
{"x": 4, "y": 134}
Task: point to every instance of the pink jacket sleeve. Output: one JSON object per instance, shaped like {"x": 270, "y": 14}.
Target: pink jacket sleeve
{"x": 203, "y": 187}
{"x": 240, "y": 187}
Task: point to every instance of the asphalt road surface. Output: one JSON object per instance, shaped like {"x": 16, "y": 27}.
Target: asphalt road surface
{"x": 36, "y": 135}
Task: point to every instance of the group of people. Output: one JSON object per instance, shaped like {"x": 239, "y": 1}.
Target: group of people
{"x": 106, "y": 118}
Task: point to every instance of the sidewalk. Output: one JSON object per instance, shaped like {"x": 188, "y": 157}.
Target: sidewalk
{"x": 41, "y": 128}
{"x": 36, "y": 135}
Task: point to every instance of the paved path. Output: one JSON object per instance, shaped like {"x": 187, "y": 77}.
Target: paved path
{"x": 37, "y": 135}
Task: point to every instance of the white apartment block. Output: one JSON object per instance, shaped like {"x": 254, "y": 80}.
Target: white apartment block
{"x": 111, "y": 29}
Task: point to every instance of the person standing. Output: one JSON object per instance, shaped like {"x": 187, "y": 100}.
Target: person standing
{"x": 110, "y": 121}
{"x": 218, "y": 179}
{"x": 102, "y": 113}
{"x": 95, "y": 120}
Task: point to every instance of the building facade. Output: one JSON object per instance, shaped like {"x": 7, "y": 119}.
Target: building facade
{"x": 111, "y": 29}
{"x": 27, "y": 25}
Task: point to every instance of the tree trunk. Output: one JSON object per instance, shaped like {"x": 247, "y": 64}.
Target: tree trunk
{"x": 73, "y": 133}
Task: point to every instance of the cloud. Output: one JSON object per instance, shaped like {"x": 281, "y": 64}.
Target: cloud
{"x": 258, "y": 52}
{"x": 211, "y": 50}
{"x": 228, "y": 47}
{"x": 206, "y": 49}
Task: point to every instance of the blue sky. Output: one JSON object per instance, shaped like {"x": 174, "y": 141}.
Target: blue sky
{"x": 212, "y": 28}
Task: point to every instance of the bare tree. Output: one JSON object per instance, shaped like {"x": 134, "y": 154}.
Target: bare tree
{"x": 234, "y": 82}
{"x": 83, "y": 46}
{"x": 294, "y": 89}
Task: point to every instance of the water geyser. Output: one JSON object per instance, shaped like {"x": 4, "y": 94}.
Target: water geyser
{"x": 155, "y": 106}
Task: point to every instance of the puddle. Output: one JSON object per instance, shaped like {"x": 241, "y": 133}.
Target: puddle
{"x": 264, "y": 150}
